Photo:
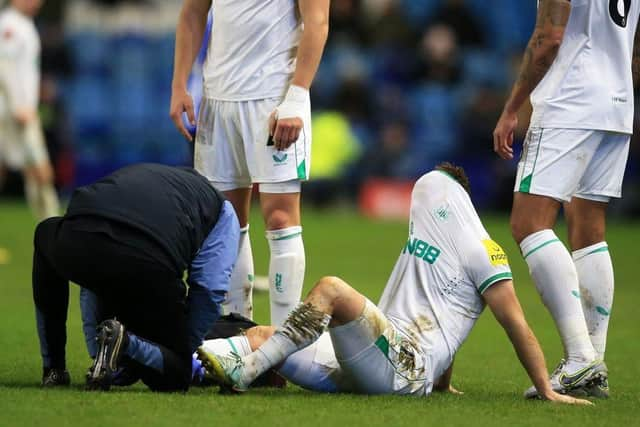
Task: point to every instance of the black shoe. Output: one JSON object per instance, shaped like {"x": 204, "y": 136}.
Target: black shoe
{"x": 53, "y": 377}
{"x": 112, "y": 342}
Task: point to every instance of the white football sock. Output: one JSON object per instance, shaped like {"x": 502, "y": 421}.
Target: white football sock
{"x": 302, "y": 328}
{"x": 49, "y": 204}
{"x": 32, "y": 194}
{"x": 595, "y": 272}
{"x": 286, "y": 271}
{"x": 240, "y": 295}
{"x": 556, "y": 279}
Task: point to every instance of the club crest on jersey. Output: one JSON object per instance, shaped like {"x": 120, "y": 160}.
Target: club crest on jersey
{"x": 495, "y": 253}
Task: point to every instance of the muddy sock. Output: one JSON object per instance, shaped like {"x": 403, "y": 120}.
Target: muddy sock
{"x": 304, "y": 325}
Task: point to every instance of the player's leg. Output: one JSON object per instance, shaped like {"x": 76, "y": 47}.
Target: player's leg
{"x": 549, "y": 171}
{"x": 38, "y": 174}
{"x": 281, "y": 212}
{"x": 220, "y": 156}
{"x": 51, "y": 298}
{"x": 586, "y": 222}
{"x": 330, "y": 302}
{"x": 240, "y": 296}
{"x": 279, "y": 174}
{"x": 586, "y": 215}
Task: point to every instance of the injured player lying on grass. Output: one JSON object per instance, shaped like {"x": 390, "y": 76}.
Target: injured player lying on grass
{"x": 446, "y": 273}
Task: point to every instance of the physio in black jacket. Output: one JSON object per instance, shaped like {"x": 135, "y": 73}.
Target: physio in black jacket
{"x": 127, "y": 240}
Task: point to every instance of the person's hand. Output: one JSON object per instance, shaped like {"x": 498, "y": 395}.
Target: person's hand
{"x": 284, "y": 132}
{"x": 552, "y": 396}
{"x": 24, "y": 116}
{"x": 503, "y": 135}
{"x": 285, "y": 123}
{"x": 182, "y": 102}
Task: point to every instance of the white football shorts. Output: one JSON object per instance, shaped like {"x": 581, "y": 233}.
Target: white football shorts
{"x": 566, "y": 163}
{"x": 232, "y": 149}
{"x": 376, "y": 358}
{"x": 22, "y": 146}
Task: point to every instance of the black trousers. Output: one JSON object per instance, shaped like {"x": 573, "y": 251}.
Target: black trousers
{"x": 146, "y": 296}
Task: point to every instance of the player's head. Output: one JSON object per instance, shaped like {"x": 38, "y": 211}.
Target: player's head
{"x": 28, "y": 7}
{"x": 457, "y": 173}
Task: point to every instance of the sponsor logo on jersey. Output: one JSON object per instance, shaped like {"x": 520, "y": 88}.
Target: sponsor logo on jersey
{"x": 280, "y": 157}
{"x": 495, "y": 253}
{"x": 421, "y": 249}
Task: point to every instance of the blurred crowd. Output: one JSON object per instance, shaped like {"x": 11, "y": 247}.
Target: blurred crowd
{"x": 403, "y": 85}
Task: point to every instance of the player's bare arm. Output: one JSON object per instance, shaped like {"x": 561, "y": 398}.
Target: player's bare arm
{"x": 189, "y": 33}
{"x": 539, "y": 55}
{"x": 285, "y": 126}
{"x": 635, "y": 64}
{"x": 505, "y": 306}
{"x": 443, "y": 384}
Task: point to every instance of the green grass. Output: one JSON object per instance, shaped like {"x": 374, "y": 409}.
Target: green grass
{"x": 362, "y": 252}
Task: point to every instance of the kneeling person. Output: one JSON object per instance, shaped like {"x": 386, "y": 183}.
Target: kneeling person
{"x": 446, "y": 273}
{"x": 127, "y": 241}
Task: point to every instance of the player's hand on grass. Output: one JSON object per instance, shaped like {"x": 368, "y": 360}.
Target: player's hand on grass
{"x": 552, "y": 396}
{"x": 181, "y": 102}
{"x": 284, "y": 132}
{"x": 503, "y": 135}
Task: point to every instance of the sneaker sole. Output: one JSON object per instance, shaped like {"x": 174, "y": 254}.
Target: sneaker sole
{"x": 103, "y": 368}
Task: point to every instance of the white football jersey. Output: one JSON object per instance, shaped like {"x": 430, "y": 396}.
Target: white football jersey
{"x": 434, "y": 293}
{"x": 590, "y": 84}
{"x": 252, "y": 50}
{"x": 19, "y": 62}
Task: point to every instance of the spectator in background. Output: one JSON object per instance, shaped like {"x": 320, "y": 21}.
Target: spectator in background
{"x": 390, "y": 156}
{"x": 456, "y": 15}
{"x": 348, "y": 25}
{"x": 22, "y": 144}
{"x": 438, "y": 56}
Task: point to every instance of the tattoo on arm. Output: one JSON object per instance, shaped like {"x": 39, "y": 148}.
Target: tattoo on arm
{"x": 542, "y": 48}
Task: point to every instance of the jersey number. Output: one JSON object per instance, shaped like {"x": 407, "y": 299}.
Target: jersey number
{"x": 614, "y": 10}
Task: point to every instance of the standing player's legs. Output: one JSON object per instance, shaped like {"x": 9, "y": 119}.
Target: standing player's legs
{"x": 240, "y": 296}
{"x": 549, "y": 170}
{"x": 586, "y": 222}
{"x": 220, "y": 157}
{"x": 281, "y": 212}
{"x": 38, "y": 173}
{"x": 586, "y": 217}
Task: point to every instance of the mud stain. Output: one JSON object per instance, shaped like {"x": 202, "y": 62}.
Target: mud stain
{"x": 305, "y": 324}
{"x": 587, "y": 298}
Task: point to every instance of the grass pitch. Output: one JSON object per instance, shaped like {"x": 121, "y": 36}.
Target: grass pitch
{"x": 362, "y": 252}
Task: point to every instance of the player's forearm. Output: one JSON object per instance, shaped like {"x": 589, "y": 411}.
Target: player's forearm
{"x": 443, "y": 383}
{"x": 189, "y": 34}
{"x": 312, "y": 42}
{"x": 541, "y": 50}
{"x": 530, "y": 354}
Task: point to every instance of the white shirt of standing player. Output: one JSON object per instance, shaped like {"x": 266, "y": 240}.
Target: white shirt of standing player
{"x": 19, "y": 63}
{"x": 252, "y": 55}
{"x": 590, "y": 85}
{"x": 434, "y": 292}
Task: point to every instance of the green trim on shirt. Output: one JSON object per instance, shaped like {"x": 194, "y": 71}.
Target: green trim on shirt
{"x": 493, "y": 279}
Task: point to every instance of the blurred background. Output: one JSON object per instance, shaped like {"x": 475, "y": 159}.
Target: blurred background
{"x": 403, "y": 85}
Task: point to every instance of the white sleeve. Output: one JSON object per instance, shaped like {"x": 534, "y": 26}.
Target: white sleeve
{"x": 486, "y": 263}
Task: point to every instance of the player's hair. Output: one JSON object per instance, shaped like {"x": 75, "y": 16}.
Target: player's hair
{"x": 457, "y": 173}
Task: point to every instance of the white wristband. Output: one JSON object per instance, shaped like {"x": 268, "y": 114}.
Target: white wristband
{"x": 295, "y": 103}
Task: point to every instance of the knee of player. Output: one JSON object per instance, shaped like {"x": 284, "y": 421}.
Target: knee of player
{"x": 278, "y": 219}
{"x": 329, "y": 286}
{"x": 519, "y": 229}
